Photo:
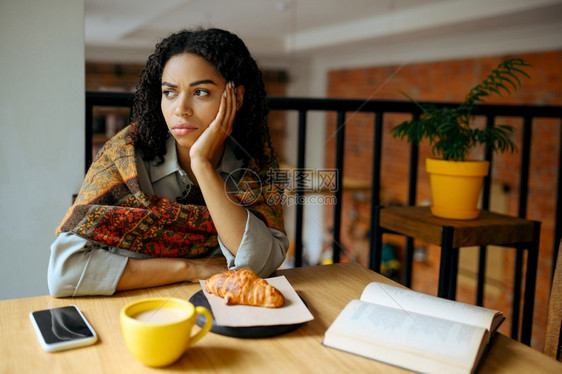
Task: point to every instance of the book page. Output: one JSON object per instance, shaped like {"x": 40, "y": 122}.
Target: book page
{"x": 404, "y": 299}
{"x": 409, "y": 339}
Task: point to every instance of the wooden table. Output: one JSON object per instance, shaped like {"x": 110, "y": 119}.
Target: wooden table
{"x": 326, "y": 289}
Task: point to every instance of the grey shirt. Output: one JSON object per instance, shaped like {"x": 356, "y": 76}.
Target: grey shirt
{"x": 80, "y": 267}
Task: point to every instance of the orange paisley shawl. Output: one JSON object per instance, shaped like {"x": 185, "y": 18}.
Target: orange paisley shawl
{"x": 111, "y": 209}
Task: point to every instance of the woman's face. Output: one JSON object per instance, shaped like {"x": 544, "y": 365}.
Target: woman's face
{"x": 191, "y": 94}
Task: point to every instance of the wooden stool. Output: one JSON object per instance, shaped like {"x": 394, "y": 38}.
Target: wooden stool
{"x": 489, "y": 229}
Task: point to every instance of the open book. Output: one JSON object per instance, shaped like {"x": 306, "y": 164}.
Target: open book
{"x": 412, "y": 330}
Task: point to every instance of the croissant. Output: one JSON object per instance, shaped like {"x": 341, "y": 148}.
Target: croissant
{"x": 244, "y": 287}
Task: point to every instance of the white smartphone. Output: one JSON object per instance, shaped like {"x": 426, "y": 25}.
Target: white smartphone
{"x": 62, "y": 328}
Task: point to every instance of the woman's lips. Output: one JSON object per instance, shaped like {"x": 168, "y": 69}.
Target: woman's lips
{"x": 183, "y": 129}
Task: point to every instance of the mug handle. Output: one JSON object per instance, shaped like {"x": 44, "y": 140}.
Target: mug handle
{"x": 200, "y": 310}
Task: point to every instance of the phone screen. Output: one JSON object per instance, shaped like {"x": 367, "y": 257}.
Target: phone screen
{"x": 62, "y": 325}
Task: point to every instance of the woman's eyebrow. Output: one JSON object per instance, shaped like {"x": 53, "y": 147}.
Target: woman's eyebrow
{"x": 202, "y": 81}
{"x": 192, "y": 84}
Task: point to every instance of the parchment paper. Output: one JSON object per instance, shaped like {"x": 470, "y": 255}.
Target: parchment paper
{"x": 292, "y": 312}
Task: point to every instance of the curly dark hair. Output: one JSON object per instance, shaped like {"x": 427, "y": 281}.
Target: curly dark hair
{"x": 231, "y": 58}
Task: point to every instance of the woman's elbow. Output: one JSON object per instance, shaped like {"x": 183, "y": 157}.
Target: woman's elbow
{"x": 62, "y": 273}
{"x": 59, "y": 288}
{"x": 276, "y": 257}
{"x": 59, "y": 282}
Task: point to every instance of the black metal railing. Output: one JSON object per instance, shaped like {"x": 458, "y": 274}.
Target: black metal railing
{"x": 380, "y": 108}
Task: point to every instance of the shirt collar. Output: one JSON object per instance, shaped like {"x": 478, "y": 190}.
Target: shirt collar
{"x": 229, "y": 162}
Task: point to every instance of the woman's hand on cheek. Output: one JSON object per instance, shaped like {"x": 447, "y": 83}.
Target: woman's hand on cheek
{"x": 209, "y": 146}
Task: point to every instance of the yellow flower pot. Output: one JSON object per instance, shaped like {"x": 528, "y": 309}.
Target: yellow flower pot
{"x": 456, "y": 187}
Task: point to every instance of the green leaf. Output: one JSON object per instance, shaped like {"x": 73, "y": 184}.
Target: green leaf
{"x": 449, "y": 130}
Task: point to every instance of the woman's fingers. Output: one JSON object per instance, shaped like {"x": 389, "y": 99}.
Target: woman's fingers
{"x": 227, "y": 110}
{"x": 230, "y": 107}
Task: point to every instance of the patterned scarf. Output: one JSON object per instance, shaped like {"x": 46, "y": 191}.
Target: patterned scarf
{"x": 111, "y": 209}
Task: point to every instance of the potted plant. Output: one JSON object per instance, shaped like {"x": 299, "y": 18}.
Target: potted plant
{"x": 452, "y": 136}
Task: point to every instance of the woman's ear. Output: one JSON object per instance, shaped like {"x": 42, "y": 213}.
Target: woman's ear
{"x": 239, "y": 97}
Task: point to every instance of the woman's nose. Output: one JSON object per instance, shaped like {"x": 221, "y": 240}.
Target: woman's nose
{"x": 183, "y": 108}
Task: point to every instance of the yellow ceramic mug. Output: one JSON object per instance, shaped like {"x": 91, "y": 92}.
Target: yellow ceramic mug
{"x": 157, "y": 330}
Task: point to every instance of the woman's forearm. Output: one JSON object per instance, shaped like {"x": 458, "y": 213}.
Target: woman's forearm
{"x": 143, "y": 273}
{"x": 228, "y": 215}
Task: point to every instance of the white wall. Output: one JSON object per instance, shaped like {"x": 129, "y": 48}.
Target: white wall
{"x": 42, "y": 140}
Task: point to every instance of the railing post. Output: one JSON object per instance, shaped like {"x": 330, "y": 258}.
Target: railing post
{"x": 340, "y": 147}
{"x": 301, "y": 154}
{"x": 486, "y": 187}
{"x": 523, "y": 196}
{"x": 558, "y": 213}
{"x": 375, "y": 247}
{"x": 412, "y": 184}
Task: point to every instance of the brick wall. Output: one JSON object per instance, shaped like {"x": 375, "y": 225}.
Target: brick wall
{"x": 450, "y": 81}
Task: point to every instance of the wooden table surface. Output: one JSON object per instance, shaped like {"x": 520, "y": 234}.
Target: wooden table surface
{"x": 326, "y": 289}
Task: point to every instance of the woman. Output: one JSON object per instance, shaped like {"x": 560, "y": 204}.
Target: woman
{"x": 178, "y": 195}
